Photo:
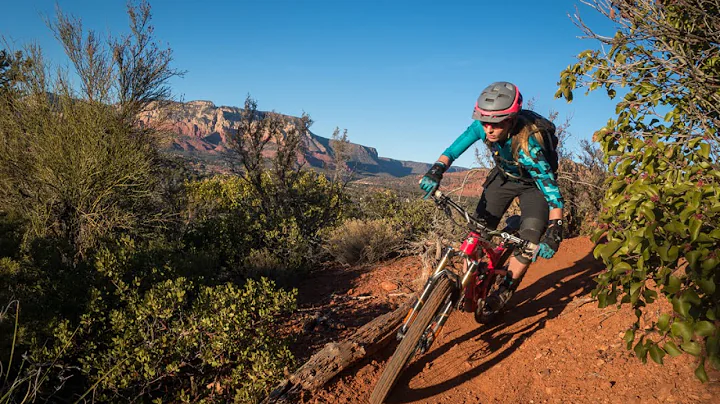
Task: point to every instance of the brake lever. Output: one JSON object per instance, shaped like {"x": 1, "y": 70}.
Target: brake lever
{"x": 524, "y": 244}
{"x": 441, "y": 202}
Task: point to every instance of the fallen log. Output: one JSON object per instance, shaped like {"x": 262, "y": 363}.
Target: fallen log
{"x": 338, "y": 356}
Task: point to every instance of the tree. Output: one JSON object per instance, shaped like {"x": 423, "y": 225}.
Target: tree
{"x": 131, "y": 72}
{"x": 74, "y": 164}
{"x": 12, "y": 67}
{"x": 341, "y": 148}
{"x": 661, "y": 213}
{"x": 292, "y": 204}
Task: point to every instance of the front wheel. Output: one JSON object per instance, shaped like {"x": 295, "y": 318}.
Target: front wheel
{"x": 409, "y": 344}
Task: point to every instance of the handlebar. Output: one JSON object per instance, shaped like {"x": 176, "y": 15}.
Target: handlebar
{"x": 477, "y": 225}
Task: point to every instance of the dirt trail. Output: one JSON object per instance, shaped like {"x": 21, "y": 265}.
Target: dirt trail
{"x": 549, "y": 348}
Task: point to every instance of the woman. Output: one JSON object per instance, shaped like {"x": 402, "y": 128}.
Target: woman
{"x": 524, "y": 163}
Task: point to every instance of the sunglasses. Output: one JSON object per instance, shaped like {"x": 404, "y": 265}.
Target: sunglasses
{"x": 501, "y": 124}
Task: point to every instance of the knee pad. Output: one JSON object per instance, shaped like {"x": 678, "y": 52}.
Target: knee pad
{"x": 531, "y": 229}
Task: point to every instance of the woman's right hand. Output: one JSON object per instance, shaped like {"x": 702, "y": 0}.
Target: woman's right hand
{"x": 430, "y": 181}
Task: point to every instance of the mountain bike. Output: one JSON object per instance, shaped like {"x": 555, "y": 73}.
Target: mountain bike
{"x": 447, "y": 288}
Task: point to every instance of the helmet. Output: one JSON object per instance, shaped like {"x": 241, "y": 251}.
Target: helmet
{"x": 498, "y": 101}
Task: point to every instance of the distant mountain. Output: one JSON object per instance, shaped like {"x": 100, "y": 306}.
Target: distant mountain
{"x": 199, "y": 130}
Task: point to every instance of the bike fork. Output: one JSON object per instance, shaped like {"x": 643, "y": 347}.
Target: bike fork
{"x": 433, "y": 331}
{"x": 424, "y": 295}
{"x": 441, "y": 318}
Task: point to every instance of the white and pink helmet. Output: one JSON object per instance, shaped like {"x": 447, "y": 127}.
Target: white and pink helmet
{"x": 497, "y": 102}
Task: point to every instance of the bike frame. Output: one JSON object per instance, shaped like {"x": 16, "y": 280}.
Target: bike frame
{"x": 474, "y": 284}
{"x": 479, "y": 281}
{"x": 478, "y": 277}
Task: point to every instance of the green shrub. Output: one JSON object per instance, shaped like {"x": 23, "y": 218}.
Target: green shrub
{"x": 74, "y": 166}
{"x": 203, "y": 343}
{"x": 249, "y": 237}
{"x": 119, "y": 298}
{"x": 661, "y": 211}
{"x": 411, "y": 216}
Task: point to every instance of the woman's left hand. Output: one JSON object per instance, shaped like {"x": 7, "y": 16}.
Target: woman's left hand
{"x": 551, "y": 240}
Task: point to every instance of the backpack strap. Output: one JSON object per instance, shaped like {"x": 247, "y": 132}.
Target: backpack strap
{"x": 549, "y": 149}
{"x": 550, "y": 139}
{"x": 501, "y": 163}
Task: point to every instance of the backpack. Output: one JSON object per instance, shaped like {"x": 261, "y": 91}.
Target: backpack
{"x": 550, "y": 138}
{"x": 549, "y": 146}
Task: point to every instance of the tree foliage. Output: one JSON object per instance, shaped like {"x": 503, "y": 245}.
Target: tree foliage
{"x": 118, "y": 297}
{"x": 131, "y": 72}
{"x": 288, "y": 197}
{"x": 662, "y": 207}
{"x": 73, "y": 163}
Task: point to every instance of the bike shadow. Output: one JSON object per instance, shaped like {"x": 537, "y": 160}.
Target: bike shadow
{"x": 528, "y": 302}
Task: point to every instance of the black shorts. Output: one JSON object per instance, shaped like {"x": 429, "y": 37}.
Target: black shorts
{"x": 498, "y": 194}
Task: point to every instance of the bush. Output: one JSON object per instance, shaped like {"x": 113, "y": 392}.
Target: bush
{"x": 363, "y": 241}
{"x": 250, "y": 239}
{"x": 193, "y": 344}
{"x": 74, "y": 165}
{"x": 411, "y": 216}
{"x": 180, "y": 342}
{"x": 661, "y": 210}
{"x": 582, "y": 184}
{"x": 119, "y": 298}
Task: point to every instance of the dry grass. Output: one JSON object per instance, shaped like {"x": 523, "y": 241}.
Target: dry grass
{"x": 364, "y": 241}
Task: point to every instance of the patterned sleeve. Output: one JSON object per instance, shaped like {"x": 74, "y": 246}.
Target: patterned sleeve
{"x": 472, "y": 134}
{"x": 538, "y": 167}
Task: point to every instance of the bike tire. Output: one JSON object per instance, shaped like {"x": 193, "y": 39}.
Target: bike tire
{"x": 409, "y": 343}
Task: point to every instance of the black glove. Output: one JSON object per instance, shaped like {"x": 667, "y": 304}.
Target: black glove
{"x": 431, "y": 180}
{"x": 551, "y": 239}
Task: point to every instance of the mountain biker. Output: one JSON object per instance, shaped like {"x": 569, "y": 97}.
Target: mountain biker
{"x": 522, "y": 169}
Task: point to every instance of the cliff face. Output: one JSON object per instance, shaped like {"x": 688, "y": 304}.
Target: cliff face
{"x": 201, "y": 128}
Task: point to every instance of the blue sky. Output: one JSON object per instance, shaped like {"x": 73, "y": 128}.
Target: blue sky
{"x": 401, "y": 76}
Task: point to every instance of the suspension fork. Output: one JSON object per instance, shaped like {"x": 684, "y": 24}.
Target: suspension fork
{"x": 429, "y": 286}
{"x": 442, "y": 318}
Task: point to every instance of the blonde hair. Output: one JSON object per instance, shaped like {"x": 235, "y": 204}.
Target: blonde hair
{"x": 524, "y": 128}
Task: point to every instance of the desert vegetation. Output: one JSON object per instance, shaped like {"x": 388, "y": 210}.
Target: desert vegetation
{"x": 660, "y": 211}
{"x": 127, "y": 275}
{"x": 123, "y": 276}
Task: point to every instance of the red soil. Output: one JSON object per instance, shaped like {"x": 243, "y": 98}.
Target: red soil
{"x": 549, "y": 348}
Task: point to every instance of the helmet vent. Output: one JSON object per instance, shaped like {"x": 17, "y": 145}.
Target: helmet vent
{"x": 497, "y": 101}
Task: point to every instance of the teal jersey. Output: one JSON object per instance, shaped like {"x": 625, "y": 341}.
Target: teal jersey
{"x": 533, "y": 162}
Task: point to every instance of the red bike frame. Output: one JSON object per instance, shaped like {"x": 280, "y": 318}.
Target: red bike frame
{"x": 479, "y": 283}
{"x": 478, "y": 278}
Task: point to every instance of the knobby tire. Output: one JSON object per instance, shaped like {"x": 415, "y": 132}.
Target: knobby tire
{"x": 409, "y": 343}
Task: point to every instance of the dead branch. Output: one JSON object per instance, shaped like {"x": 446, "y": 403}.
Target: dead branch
{"x": 338, "y": 356}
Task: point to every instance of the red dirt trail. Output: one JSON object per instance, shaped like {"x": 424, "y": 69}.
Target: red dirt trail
{"x": 548, "y": 348}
